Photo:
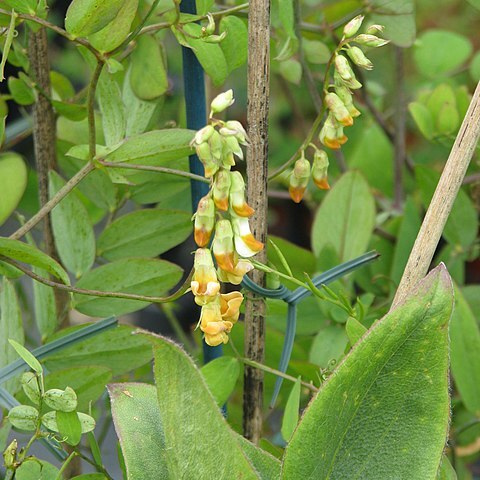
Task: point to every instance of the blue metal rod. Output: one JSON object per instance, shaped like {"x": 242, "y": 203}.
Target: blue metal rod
{"x": 196, "y": 109}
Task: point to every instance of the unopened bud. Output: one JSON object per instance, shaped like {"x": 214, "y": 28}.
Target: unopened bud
{"x": 210, "y": 165}
{"x": 216, "y": 145}
{"x": 238, "y": 130}
{"x": 203, "y": 135}
{"x": 210, "y": 27}
{"x": 347, "y": 99}
{"x": 331, "y": 135}
{"x": 221, "y": 102}
{"x": 237, "y": 196}
{"x": 10, "y": 455}
{"x": 370, "y": 40}
{"x": 352, "y": 27}
{"x": 338, "y": 109}
{"x": 343, "y": 69}
{"x": 299, "y": 179}
{"x": 221, "y": 189}
{"x": 374, "y": 29}
{"x": 204, "y": 221}
{"x": 351, "y": 82}
{"x": 215, "y": 38}
{"x": 359, "y": 58}
{"x": 223, "y": 246}
{"x": 320, "y": 170}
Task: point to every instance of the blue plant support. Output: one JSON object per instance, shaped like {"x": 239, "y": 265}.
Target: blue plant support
{"x": 194, "y": 85}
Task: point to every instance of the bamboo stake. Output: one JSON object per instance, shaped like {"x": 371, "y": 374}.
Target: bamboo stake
{"x": 442, "y": 201}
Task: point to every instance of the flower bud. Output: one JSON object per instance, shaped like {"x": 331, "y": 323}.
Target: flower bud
{"x": 210, "y": 165}
{"x": 203, "y": 134}
{"x": 299, "y": 179}
{"x": 338, "y": 109}
{"x": 233, "y": 146}
{"x": 237, "y": 196}
{"x": 215, "y": 38}
{"x": 221, "y": 102}
{"x": 242, "y": 267}
{"x": 347, "y": 99}
{"x": 352, "y": 27}
{"x": 345, "y": 73}
{"x": 204, "y": 221}
{"x": 10, "y": 455}
{"x": 320, "y": 170}
{"x": 359, "y": 58}
{"x": 331, "y": 134}
{"x": 245, "y": 243}
{"x": 210, "y": 27}
{"x": 230, "y": 306}
{"x": 205, "y": 285}
{"x": 374, "y": 29}
{"x": 223, "y": 246}
{"x": 216, "y": 143}
{"x": 370, "y": 40}
{"x": 221, "y": 189}
{"x": 239, "y": 131}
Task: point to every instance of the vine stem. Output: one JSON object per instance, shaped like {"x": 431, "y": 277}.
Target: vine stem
{"x": 54, "y": 201}
{"x": 99, "y": 293}
{"x": 441, "y": 205}
{"x": 60, "y": 31}
{"x": 152, "y": 168}
{"x": 92, "y": 142}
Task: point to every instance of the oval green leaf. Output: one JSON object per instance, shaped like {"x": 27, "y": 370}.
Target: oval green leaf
{"x": 13, "y": 181}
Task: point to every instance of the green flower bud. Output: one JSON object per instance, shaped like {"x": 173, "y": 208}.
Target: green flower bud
{"x": 210, "y": 165}
{"x": 221, "y": 102}
{"x": 331, "y": 135}
{"x": 215, "y": 38}
{"x": 320, "y": 170}
{"x": 216, "y": 145}
{"x": 221, "y": 189}
{"x": 359, "y": 58}
{"x": 299, "y": 179}
{"x": 347, "y": 99}
{"x": 203, "y": 134}
{"x": 233, "y": 146}
{"x": 352, "y": 27}
{"x": 370, "y": 40}
{"x": 338, "y": 109}
{"x": 238, "y": 131}
{"x": 374, "y": 29}
{"x": 210, "y": 27}
{"x": 345, "y": 72}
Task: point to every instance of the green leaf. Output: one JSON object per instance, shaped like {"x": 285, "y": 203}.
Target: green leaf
{"x": 44, "y": 306}
{"x": 187, "y": 409}
{"x": 154, "y": 147}
{"x": 141, "y": 276}
{"x": 13, "y": 182}
{"x": 316, "y": 52}
{"x": 114, "y": 33}
{"x": 204, "y": 6}
{"x": 26, "y": 356}
{"x": 146, "y": 233}
{"x": 90, "y": 476}
{"x": 24, "y": 417}
{"x": 22, "y": 93}
{"x": 11, "y": 327}
{"x": 355, "y": 330}
{"x": 221, "y": 376}
{"x": 85, "y": 17}
{"x": 438, "y": 52}
{"x": 328, "y": 346}
{"x": 448, "y": 119}
{"x": 465, "y": 353}
{"x": 139, "y": 428}
{"x": 61, "y": 85}
{"x": 346, "y": 218}
{"x": 446, "y": 471}
{"x": 398, "y": 17}
{"x": 30, "y": 385}
{"x": 115, "y": 349}
{"x": 290, "y": 416}
{"x": 393, "y": 389}
{"x": 265, "y": 464}
{"x": 291, "y": 70}
{"x": 22, "y": 252}
{"x": 69, "y": 426}
{"x": 72, "y": 111}
{"x": 72, "y": 230}
{"x": 61, "y": 400}
{"x": 423, "y": 118}
{"x": 50, "y": 420}
{"x": 475, "y": 66}
{"x": 112, "y": 108}
{"x": 210, "y": 55}
{"x": 36, "y": 469}
{"x": 148, "y": 75}
{"x": 87, "y": 381}
{"x": 235, "y": 45}
{"x": 23, "y": 6}
{"x": 461, "y": 226}
{"x": 406, "y": 236}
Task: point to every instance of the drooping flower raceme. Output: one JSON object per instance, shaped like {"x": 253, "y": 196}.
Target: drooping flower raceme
{"x": 221, "y": 218}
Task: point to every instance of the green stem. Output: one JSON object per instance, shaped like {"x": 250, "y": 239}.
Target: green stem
{"x": 99, "y": 293}
{"x": 54, "y": 201}
{"x": 151, "y": 168}
{"x": 100, "y": 468}
{"x": 65, "y": 465}
{"x": 264, "y": 268}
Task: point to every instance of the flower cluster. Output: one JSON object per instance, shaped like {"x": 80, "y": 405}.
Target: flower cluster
{"x": 222, "y": 214}
{"x": 339, "y": 102}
